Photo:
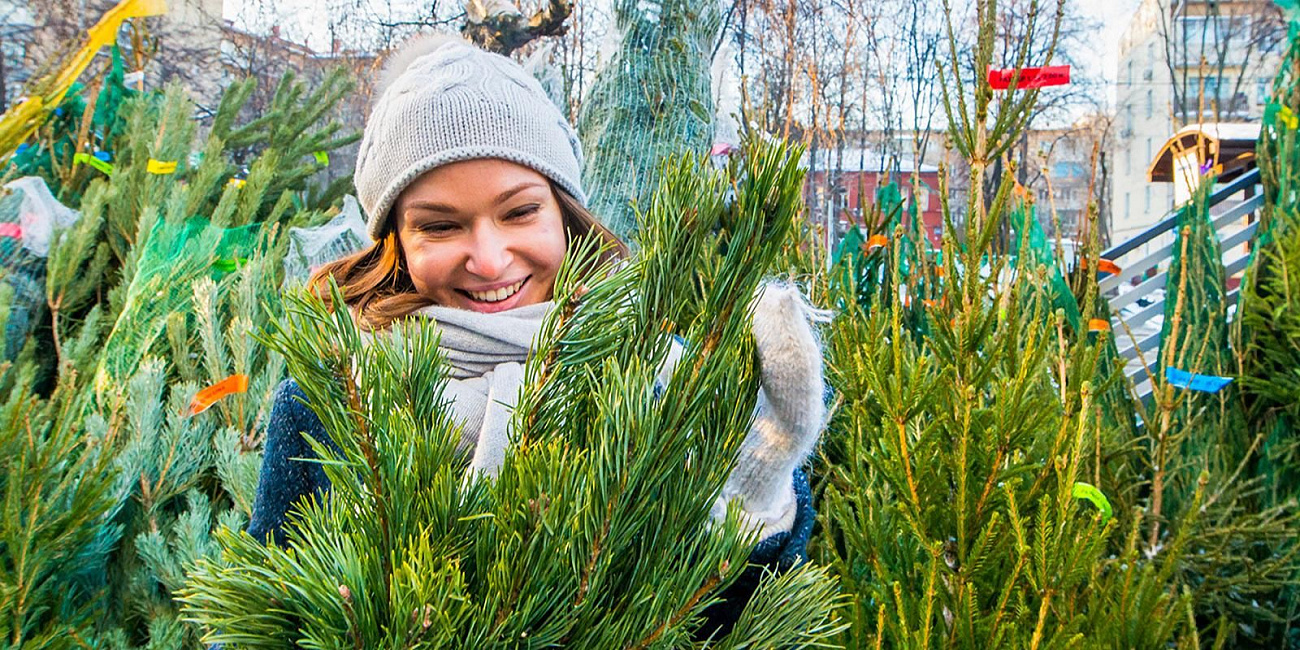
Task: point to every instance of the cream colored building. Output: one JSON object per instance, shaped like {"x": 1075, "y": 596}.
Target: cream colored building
{"x": 1183, "y": 62}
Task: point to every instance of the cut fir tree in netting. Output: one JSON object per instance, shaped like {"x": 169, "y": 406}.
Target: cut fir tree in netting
{"x": 890, "y": 262}
{"x": 651, "y": 101}
{"x": 596, "y": 532}
{"x": 175, "y": 255}
{"x": 1035, "y": 258}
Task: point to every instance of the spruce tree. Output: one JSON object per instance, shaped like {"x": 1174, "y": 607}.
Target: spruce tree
{"x": 115, "y": 479}
{"x": 979, "y": 494}
{"x": 652, "y": 100}
{"x": 596, "y": 533}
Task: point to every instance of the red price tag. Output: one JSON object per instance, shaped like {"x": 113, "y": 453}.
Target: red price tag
{"x": 1052, "y": 75}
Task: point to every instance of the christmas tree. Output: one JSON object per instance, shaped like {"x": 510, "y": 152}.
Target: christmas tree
{"x": 119, "y": 462}
{"x": 980, "y": 492}
{"x": 652, "y": 100}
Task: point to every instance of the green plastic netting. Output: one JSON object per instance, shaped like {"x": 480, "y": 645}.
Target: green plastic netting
{"x": 652, "y": 100}
{"x": 1034, "y": 253}
{"x": 175, "y": 255}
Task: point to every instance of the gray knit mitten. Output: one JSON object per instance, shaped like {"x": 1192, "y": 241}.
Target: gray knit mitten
{"x": 790, "y": 415}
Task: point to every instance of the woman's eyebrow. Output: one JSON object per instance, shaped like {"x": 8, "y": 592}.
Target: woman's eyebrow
{"x": 501, "y": 198}
{"x": 431, "y": 206}
{"x": 434, "y": 206}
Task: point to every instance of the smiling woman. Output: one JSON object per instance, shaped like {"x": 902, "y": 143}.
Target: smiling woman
{"x": 485, "y": 235}
{"x": 470, "y": 181}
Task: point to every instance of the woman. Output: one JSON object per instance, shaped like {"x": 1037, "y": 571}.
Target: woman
{"x": 470, "y": 180}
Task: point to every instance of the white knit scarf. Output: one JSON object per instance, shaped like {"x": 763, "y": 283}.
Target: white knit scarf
{"x": 485, "y": 355}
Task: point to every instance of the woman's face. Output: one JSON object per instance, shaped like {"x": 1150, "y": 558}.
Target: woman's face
{"x": 485, "y": 235}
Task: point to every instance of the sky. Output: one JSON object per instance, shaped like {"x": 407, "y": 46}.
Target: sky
{"x": 306, "y": 20}
{"x": 1113, "y": 16}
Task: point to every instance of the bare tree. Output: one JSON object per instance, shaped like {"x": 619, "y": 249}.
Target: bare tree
{"x": 1214, "y": 53}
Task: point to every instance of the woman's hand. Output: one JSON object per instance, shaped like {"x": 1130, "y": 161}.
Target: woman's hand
{"x": 791, "y": 409}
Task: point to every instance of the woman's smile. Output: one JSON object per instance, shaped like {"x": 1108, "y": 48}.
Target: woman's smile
{"x": 500, "y": 298}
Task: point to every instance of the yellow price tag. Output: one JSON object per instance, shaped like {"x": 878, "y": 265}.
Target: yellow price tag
{"x": 1288, "y": 117}
{"x": 235, "y": 182}
{"x": 161, "y": 167}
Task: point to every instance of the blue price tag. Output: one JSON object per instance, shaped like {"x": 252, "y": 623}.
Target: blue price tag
{"x": 1202, "y": 383}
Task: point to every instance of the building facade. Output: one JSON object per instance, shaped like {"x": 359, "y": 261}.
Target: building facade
{"x": 1184, "y": 62}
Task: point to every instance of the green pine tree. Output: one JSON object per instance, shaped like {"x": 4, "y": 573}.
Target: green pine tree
{"x": 112, "y": 487}
{"x": 596, "y": 532}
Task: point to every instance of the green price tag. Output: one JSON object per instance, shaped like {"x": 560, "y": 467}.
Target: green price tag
{"x": 322, "y": 157}
{"x": 228, "y": 265}
{"x": 94, "y": 162}
{"x": 1086, "y": 491}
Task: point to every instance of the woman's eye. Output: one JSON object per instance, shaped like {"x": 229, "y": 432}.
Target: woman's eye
{"x": 438, "y": 227}
{"x": 524, "y": 211}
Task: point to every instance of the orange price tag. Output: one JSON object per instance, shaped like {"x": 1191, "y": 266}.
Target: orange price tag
{"x": 1103, "y": 266}
{"x": 877, "y": 241}
{"x": 204, "y": 399}
{"x": 1098, "y": 325}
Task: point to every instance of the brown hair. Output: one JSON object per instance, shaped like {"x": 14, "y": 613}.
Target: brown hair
{"x": 378, "y": 289}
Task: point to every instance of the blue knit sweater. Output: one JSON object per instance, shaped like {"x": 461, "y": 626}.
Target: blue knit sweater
{"x": 285, "y": 480}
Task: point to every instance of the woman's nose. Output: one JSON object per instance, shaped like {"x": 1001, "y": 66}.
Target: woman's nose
{"x": 489, "y": 255}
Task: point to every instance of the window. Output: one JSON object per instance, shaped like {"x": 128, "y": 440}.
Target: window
{"x": 1262, "y": 89}
{"x": 1148, "y": 158}
{"x": 1214, "y": 88}
{"x": 1130, "y": 73}
{"x": 1128, "y": 161}
{"x": 1127, "y": 212}
{"x": 1194, "y": 32}
{"x": 1146, "y": 199}
{"x": 1151, "y": 103}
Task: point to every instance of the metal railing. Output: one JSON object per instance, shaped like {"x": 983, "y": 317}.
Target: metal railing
{"x": 1142, "y": 307}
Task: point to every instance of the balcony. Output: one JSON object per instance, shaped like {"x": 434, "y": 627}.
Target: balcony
{"x": 1195, "y": 107}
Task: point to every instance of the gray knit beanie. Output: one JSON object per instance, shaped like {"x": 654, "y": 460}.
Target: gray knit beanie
{"x": 442, "y": 100}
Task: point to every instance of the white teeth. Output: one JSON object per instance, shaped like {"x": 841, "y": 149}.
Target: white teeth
{"x": 497, "y": 295}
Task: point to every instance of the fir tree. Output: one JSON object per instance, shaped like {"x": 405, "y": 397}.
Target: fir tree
{"x": 978, "y": 495}
{"x": 114, "y": 482}
{"x": 652, "y": 100}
